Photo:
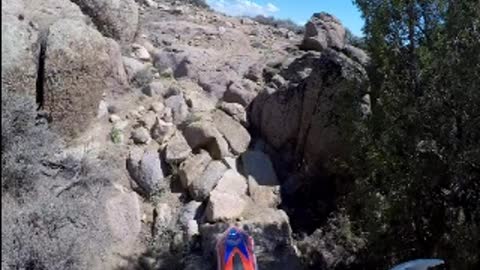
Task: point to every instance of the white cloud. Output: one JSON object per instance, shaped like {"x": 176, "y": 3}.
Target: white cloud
{"x": 242, "y": 7}
{"x": 272, "y": 8}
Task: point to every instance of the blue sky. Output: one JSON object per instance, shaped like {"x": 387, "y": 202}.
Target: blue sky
{"x": 298, "y": 11}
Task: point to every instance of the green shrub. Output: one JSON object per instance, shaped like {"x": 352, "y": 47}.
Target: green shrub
{"x": 116, "y": 135}
{"x": 61, "y": 225}
{"x": 416, "y": 161}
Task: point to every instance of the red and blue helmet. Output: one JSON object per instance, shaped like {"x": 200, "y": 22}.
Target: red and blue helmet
{"x": 235, "y": 251}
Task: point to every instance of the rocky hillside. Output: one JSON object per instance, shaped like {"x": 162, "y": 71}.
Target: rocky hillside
{"x": 177, "y": 122}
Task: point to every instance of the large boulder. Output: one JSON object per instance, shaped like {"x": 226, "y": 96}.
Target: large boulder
{"x": 263, "y": 185}
{"x": 193, "y": 167}
{"x": 302, "y": 121}
{"x": 272, "y": 233}
{"x": 216, "y": 82}
{"x": 117, "y": 19}
{"x": 123, "y": 215}
{"x": 236, "y": 111}
{"x": 236, "y": 135}
{"x": 23, "y": 26}
{"x": 145, "y": 168}
{"x": 203, "y": 134}
{"x": 177, "y": 149}
{"x": 196, "y": 98}
{"x": 201, "y": 186}
{"x": 223, "y": 206}
{"x": 77, "y": 64}
{"x": 20, "y": 55}
{"x": 44, "y": 13}
{"x": 116, "y": 60}
{"x": 140, "y": 135}
{"x": 323, "y": 31}
{"x": 239, "y": 92}
{"x": 179, "y": 108}
{"x": 228, "y": 200}
{"x": 132, "y": 67}
{"x": 233, "y": 183}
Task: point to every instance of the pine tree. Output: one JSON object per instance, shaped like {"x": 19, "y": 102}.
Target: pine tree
{"x": 417, "y": 165}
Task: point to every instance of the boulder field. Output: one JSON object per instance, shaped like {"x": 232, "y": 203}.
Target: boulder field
{"x": 207, "y": 115}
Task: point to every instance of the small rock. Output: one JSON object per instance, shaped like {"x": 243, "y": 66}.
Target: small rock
{"x": 200, "y": 187}
{"x": 192, "y": 228}
{"x": 177, "y": 149}
{"x": 148, "y": 45}
{"x": 102, "y": 109}
{"x": 193, "y": 167}
{"x": 157, "y": 107}
{"x": 172, "y": 90}
{"x": 148, "y": 214}
{"x": 255, "y": 72}
{"x": 114, "y": 118}
{"x": 132, "y": 67}
{"x": 112, "y": 109}
{"x": 141, "y": 136}
{"x": 246, "y": 21}
{"x": 161, "y": 130}
{"x": 134, "y": 114}
{"x": 154, "y": 88}
{"x": 163, "y": 7}
{"x": 148, "y": 91}
{"x": 148, "y": 120}
{"x": 120, "y": 125}
{"x": 221, "y": 30}
{"x": 164, "y": 217}
{"x": 179, "y": 108}
{"x": 278, "y": 81}
{"x": 141, "y": 109}
{"x": 168, "y": 115}
{"x": 189, "y": 212}
{"x": 150, "y": 3}
{"x": 140, "y": 52}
